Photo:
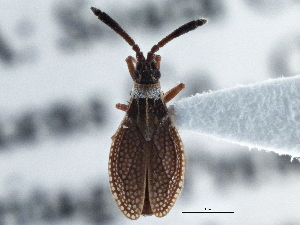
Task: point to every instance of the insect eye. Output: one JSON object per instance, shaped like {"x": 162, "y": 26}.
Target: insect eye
{"x": 156, "y": 74}
{"x": 154, "y": 66}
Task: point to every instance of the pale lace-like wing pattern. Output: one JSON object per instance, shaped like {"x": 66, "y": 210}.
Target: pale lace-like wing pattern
{"x": 131, "y": 156}
{"x": 127, "y": 169}
{"x": 166, "y": 168}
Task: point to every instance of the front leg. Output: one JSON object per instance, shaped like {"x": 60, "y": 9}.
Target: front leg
{"x": 130, "y": 63}
{"x": 169, "y": 95}
{"x": 157, "y": 59}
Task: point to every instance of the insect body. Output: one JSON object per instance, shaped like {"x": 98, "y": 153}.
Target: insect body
{"x": 146, "y": 161}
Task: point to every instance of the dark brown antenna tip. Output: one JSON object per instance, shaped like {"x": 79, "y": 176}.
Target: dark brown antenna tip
{"x": 95, "y": 10}
{"x": 201, "y": 22}
{"x": 117, "y": 28}
{"x": 179, "y": 31}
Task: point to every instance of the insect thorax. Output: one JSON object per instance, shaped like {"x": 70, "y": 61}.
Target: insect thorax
{"x": 147, "y": 108}
{"x": 146, "y": 91}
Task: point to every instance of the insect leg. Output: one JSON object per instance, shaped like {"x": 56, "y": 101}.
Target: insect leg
{"x": 169, "y": 95}
{"x": 122, "y": 107}
{"x": 130, "y": 63}
{"x": 157, "y": 59}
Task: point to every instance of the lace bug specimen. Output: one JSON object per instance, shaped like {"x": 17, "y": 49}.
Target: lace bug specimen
{"x": 146, "y": 162}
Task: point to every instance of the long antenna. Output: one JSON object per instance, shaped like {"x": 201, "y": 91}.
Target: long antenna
{"x": 176, "y": 33}
{"x": 139, "y": 55}
{"x": 118, "y": 29}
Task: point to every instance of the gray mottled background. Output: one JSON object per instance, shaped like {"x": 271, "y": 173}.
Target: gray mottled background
{"x": 62, "y": 71}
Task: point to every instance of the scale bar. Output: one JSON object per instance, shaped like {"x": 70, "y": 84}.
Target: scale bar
{"x": 207, "y": 212}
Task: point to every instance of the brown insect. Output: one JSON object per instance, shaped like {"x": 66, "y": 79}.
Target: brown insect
{"x": 146, "y": 161}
